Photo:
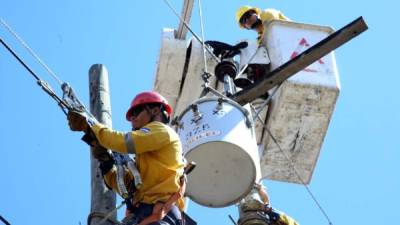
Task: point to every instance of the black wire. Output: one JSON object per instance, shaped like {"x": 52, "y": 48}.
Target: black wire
{"x": 4, "y": 221}
{"x": 19, "y": 59}
{"x": 41, "y": 83}
{"x": 233, "y": 221}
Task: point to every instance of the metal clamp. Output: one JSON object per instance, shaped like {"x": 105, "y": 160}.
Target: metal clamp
{"x": 197, "y": 115}
{"x": 219, "y": 105}
{"x": 120, "y": 176}
{"x": 130, "y": 164}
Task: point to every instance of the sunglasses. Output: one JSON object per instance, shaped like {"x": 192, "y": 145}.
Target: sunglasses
{"x": 137, "y": 110}
{"x": 246, "y": 17}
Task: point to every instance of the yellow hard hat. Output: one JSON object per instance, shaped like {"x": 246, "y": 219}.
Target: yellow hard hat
{"x": 242, "y": 10}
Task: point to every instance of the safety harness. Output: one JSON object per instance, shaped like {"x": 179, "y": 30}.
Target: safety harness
{"x": 161, "y": 209}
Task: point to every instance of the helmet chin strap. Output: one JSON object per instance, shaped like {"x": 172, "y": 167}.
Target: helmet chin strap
{"x": 164, "y": 114}
{"x": 148, "y": 110}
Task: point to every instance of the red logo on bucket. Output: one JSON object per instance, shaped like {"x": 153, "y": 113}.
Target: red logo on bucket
{"x": 302, "y": 46}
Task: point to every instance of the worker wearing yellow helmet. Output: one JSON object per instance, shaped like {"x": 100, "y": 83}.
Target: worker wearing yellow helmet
{"x": 253, "y": 18}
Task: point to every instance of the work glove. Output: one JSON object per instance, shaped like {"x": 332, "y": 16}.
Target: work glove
{"x": 106, "y": 162}
{"x": 77, "y": 121}
{"x": 101, "y": 153}
{"x": 224, "y": 50}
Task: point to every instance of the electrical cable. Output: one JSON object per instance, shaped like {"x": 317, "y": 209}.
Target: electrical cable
{"x": 205, "y": 48}
{"x": 23, "y": 43}
{"x": 4, "y": 220}
{"x": 291, "y": 163}
{"x": 265, "y": 103}
{"x": 232, "y": 220}
{"x": 70, "y": 100}
{"x": 44, "y": 85}
{"x": 202, "y": 37}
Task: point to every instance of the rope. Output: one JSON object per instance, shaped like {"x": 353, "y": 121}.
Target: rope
{"x": 291, "y": 163}
{"x": 202, "y": 37}
{"x": 23, "y": 43}
{"x": 105, "y": 217}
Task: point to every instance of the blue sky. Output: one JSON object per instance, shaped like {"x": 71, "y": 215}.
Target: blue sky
{"x": 44, "y": 169}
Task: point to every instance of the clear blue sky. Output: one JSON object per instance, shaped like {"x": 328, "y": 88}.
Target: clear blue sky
{"x": 44, "y": 169}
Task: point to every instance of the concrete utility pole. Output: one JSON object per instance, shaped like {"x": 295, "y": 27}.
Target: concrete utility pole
{"x": 102, "y": 199}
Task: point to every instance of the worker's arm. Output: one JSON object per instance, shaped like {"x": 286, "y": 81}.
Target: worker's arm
{"x": 109, "y": 138}
{"x": 262, "y": 192}
{"x": 152, "y": 137}
{"x": 272, "y": 14}
{"x": 149, "y": 138}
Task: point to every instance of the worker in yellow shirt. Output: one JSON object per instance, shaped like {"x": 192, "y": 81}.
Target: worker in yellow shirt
{"x": 253, "y": 18}
{"x": 159, "y": 159}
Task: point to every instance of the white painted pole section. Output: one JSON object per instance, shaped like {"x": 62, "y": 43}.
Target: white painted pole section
{"x": 185, "y": 15}
{"x": 102, "y": 199}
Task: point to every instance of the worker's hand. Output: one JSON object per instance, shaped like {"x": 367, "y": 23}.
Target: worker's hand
{"x": 258, "y": 186}
{"x": 106, "y": 161}
{"x": 101, "y": 153}
{"x": 77, "y": 121}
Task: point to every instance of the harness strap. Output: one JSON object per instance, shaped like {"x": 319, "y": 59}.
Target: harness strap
{"x": 160, "y": 209}
{"x": 102, "y": 216}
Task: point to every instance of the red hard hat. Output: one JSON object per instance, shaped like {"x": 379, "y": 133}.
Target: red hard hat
{"x": 148, "y": 97}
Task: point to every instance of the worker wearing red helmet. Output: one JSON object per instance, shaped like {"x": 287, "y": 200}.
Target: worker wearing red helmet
{"x": 158, "y": 154}
{"x": 253, "y": 18}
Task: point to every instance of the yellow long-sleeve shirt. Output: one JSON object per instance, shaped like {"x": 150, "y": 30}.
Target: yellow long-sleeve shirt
{"x": 158, "y": 158}
{"x": 266, "y": 16}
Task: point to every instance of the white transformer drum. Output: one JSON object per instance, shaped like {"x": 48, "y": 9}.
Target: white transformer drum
{"x": 217, "y": 134}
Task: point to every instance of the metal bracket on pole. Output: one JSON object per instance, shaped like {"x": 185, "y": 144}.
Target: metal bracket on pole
{"x": 301, "y": 61}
